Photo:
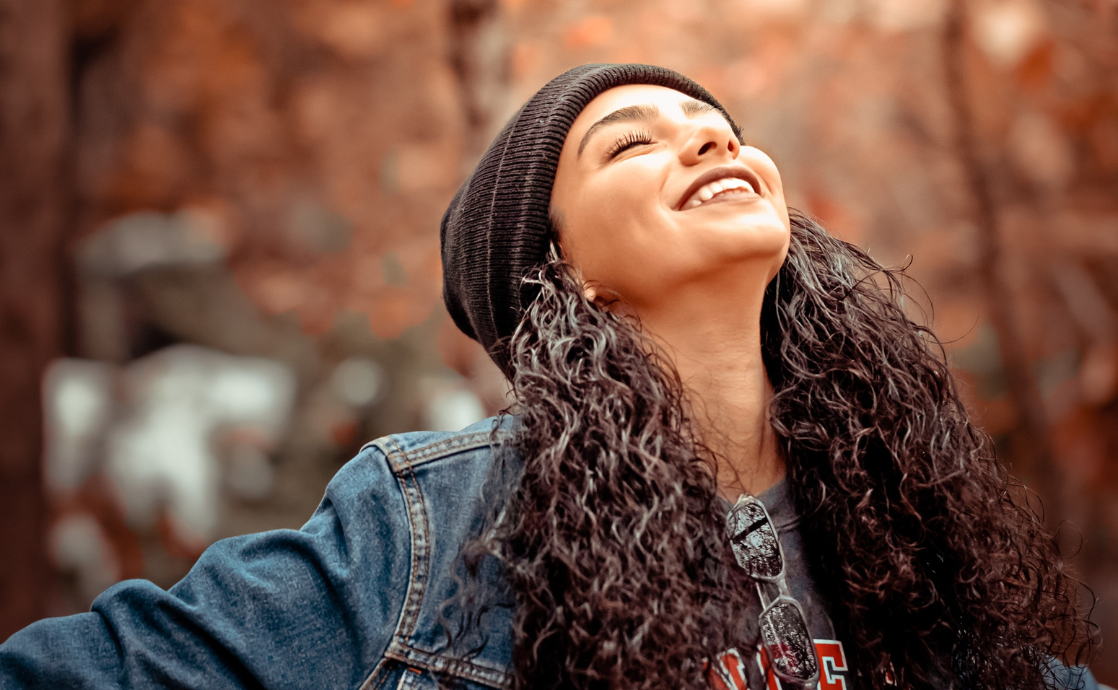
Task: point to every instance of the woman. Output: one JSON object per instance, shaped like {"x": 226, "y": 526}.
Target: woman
{"x": 677, "y": 343}
{"x": 699, "y": 325}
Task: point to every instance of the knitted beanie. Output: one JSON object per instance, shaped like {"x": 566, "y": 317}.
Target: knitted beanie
{"x": 496, "y": 228}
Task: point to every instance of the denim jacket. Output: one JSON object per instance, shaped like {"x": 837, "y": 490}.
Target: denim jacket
{"x": 350, "y": 601}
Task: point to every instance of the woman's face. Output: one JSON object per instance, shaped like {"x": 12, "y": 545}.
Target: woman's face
{"x": 654, "y": 194}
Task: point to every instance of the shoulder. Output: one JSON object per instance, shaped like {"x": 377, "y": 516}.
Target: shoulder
{"x": 448, "y": 480}
{"x": 423, "y": 465}
{"x": 442, "y": 477}
{"x": 474, "y": 445}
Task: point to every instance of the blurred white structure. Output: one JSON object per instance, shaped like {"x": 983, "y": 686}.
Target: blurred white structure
{"x": 179, "y": 398}
{"x": 357, "y": 381}
{"x": 147, "y": 239}
{"x": 158, "y": 430}
{"x": 78, "y": 398}
{"x": 452, "y": 407}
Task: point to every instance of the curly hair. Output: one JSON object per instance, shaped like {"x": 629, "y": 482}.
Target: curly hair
{"x": 611, "y": 536}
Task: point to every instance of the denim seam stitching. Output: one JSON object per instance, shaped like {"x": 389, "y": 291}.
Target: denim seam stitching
{"x": 438, "y": 450}
{"x": 400, "y": 650}
{"x": 453, "y": 445}
{"x": 416, "y": 581}
{"x": 426, "y": 556}
{"x": 436, "y": 664}
{"x": 366, "y": 685}
{"x": 381, "y": 667}
{"x": 447, "y": 443}
{"x": 407, "y": 680}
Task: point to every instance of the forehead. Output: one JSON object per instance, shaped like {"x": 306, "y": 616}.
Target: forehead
{"x": 623, "y": 96}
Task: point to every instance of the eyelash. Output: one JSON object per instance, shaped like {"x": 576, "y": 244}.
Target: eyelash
{"x": 628, "y": 141}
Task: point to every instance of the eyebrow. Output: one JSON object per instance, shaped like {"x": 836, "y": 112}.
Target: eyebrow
{"x": 641, "y": 113}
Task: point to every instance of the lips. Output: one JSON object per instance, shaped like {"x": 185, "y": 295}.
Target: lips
{"x": 717, "y": 182}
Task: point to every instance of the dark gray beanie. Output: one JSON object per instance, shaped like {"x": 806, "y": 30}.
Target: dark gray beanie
{"x": 496, "y": 228}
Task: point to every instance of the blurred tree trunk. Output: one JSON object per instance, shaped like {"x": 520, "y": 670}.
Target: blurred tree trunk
{"x": 34, "y": 206}
{"x": 479, "y": 55}
{"x": 1032, "y": 443}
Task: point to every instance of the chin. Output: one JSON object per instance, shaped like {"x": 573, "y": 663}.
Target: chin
{"x": 758, "y": 236}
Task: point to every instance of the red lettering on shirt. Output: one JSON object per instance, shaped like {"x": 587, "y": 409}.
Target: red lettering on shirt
{"x": 832, "y": 660}
{"x": 729, "y": 672}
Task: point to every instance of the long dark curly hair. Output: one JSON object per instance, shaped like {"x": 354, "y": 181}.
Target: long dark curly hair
{"x": 611, "y": 536}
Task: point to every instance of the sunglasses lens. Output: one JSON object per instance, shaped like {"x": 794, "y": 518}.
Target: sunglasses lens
{"x": 754, "y": 540}
{"x": 788, "y": 642}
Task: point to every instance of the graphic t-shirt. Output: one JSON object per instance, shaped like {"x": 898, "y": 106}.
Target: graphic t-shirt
{"x": 738, "y": 669}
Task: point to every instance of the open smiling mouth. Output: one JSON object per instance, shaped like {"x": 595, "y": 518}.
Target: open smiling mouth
{"x": 721, "y": 184}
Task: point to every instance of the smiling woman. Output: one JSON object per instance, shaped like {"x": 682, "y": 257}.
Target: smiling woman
{"x": 682, "y": 340}
{"x": 681, "y": 226}
{"x": 733, "y": 462}
{"x": 667, "y": 205}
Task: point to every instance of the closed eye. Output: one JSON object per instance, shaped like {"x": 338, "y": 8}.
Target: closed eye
{"x": 628, "y": 141}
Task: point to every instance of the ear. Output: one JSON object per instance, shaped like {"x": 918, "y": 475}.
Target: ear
{"x": 590, "y": 293}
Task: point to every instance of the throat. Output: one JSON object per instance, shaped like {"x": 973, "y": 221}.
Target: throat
{"x": 731, "y": 416}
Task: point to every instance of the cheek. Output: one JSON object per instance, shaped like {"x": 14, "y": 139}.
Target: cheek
{"x": 631, "y": 189}
{"x": 615, "y": 221}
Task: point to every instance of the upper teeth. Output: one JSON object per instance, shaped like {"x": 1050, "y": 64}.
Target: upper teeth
{"x": 709, "y": 190}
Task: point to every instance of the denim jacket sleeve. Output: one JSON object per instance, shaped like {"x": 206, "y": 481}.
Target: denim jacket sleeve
{"x": 315, "y": 607}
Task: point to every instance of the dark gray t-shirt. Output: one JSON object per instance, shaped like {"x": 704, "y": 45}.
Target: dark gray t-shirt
{"x": 742, "y": 668}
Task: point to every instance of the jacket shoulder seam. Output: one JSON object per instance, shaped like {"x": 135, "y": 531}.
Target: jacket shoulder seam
{"x": 403, "y": 459}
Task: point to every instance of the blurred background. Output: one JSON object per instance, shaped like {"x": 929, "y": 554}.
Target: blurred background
{"x": 219, "y": 257}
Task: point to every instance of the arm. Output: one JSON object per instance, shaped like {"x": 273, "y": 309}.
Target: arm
{"x": 309, "y": 608}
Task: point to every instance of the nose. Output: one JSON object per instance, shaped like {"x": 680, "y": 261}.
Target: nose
{"x": 710, "y": 139}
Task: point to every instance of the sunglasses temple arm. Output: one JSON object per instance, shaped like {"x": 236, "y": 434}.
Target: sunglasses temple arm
{"x": 782, "y": 585}
{"x": 762, "y": 595}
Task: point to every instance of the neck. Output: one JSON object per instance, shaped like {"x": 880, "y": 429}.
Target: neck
{"x": 713, "y": 337}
